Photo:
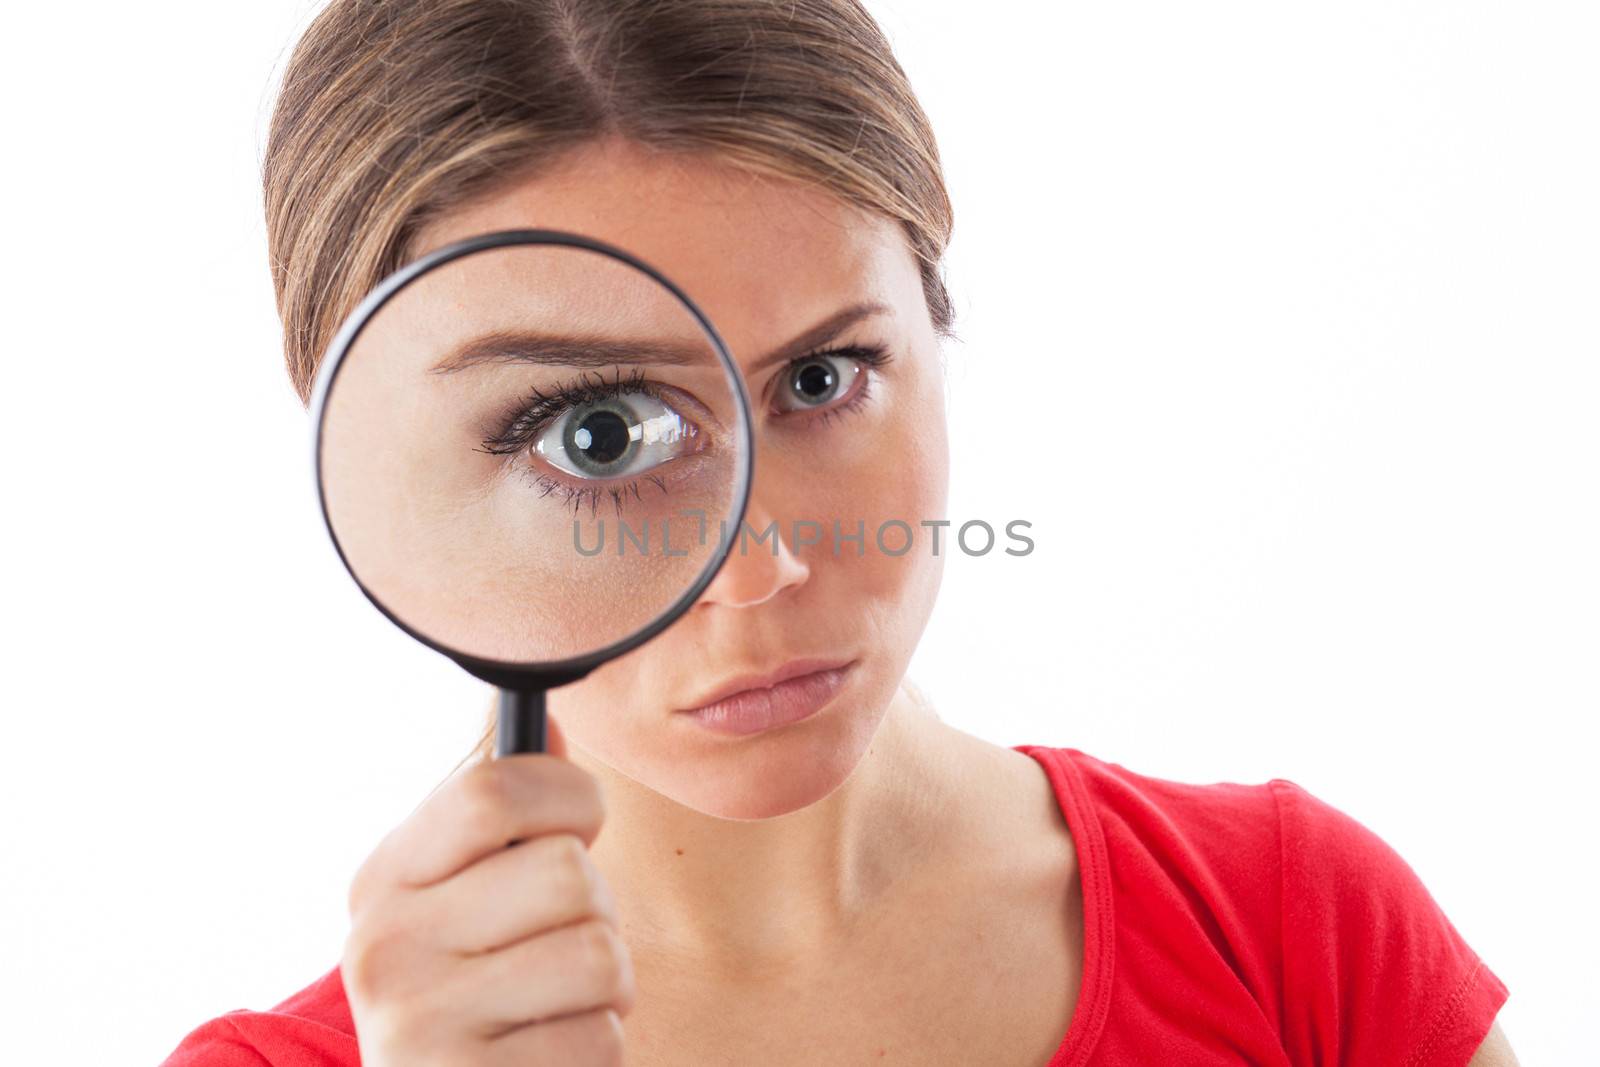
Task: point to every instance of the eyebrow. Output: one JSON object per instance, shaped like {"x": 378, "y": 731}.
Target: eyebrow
{"x": 512, "y": 346}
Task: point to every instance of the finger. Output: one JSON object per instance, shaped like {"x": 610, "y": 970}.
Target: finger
{"x": 559, "y": 972}
{"x": 591, "y": 1038}
{"x": 541, "y": 884}
{"x": 477, "y": 813}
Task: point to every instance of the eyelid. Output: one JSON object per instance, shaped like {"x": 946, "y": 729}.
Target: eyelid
{"x": 513, "y": 445}
{"x": 512, "y": 430}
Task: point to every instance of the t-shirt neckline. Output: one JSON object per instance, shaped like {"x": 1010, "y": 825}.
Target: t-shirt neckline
{"x": 1094, "y": 874}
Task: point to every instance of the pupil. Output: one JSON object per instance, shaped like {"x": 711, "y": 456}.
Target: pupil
{"x": 815, "y": 381}
{"x": 602, "y": 438}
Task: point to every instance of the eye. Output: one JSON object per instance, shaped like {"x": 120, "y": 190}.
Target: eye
{"x": 615, "y": 437}
{"x": 816, "y": 381}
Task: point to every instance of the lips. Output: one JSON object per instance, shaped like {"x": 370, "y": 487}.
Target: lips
{"x": 754, "y": 702}
{"x": 745, "y": 682}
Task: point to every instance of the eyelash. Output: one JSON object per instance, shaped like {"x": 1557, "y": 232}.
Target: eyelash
{"x": 533, "y": 413}
{"x": 525, "y": 420}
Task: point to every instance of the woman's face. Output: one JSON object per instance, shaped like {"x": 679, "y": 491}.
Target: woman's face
{"x": 768, "y": 260}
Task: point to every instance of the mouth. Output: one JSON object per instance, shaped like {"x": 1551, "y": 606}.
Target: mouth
{"x": 753, "y": 703}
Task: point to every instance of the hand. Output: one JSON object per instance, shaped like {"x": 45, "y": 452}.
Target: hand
{"x": 471, "y": 950}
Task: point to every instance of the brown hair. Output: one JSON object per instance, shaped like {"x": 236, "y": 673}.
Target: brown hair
{"x": 392, "y": 112}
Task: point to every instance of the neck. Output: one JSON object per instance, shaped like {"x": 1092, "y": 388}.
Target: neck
{"x": 748, "y": 893}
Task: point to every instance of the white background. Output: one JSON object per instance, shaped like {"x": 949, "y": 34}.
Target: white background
{"x": 1279, "y": 324}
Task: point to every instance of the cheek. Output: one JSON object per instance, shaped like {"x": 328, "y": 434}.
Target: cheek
{"x": 892, "y": 580}
{"x": 883, "y": 475}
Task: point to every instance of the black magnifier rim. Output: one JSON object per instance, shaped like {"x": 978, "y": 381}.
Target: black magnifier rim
{"x": 503, "y": 673}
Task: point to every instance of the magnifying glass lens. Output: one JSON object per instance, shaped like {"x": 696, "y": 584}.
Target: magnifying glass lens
{"x": 532, "y": 453}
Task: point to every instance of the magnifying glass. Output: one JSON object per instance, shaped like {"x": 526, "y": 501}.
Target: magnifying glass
{"x": 532, "y": 452}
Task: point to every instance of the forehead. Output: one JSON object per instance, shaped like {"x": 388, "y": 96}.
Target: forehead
{"x": 757, "y": 253}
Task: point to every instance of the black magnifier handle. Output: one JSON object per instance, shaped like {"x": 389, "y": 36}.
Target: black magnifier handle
{"x": 521, "y": 722}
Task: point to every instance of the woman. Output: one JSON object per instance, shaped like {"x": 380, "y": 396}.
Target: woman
{"x": 852, "y": 881}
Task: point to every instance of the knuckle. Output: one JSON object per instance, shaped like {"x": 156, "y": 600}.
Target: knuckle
{"x": 605, "y": 901}
{"x": 624, "y": 991}
{"x": 572, "y": 871}
{"x": 360, "y": 970}
{"x": 367, "y": 885}
{"x": 378, "y": 871}
{"x": 603, "y": 957}
{"x": 604, "y": 1038}
{"x": 371, "y": 961}
{"x": 357, "y": 891}
{"x": 485, "y": 796}
{"x": 593, "y": 1038}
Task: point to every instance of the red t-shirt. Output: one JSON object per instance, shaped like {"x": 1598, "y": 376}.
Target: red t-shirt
{"x": 1223, "y": 924}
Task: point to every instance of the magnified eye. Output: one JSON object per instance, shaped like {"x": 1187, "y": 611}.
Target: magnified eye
{"x": 615, "y": 437}
{"x": 816, "y": 381}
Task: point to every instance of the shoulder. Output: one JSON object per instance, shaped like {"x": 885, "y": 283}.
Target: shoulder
{"x": 1357, "y": 913}
{"x": 215, "y": 1043}
{"x": 1312, "y": 853}
{"x": 1268, "y": 886}
{"x": 311, "y": 1028}
{"x": 1216, "y": 838}
{"x": 1185, "y": 876}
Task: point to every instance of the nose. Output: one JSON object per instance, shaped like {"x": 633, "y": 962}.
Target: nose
{"x": 760, "y": 563}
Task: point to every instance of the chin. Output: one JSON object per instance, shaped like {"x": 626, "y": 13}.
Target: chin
{"x": 781, "y": 770}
